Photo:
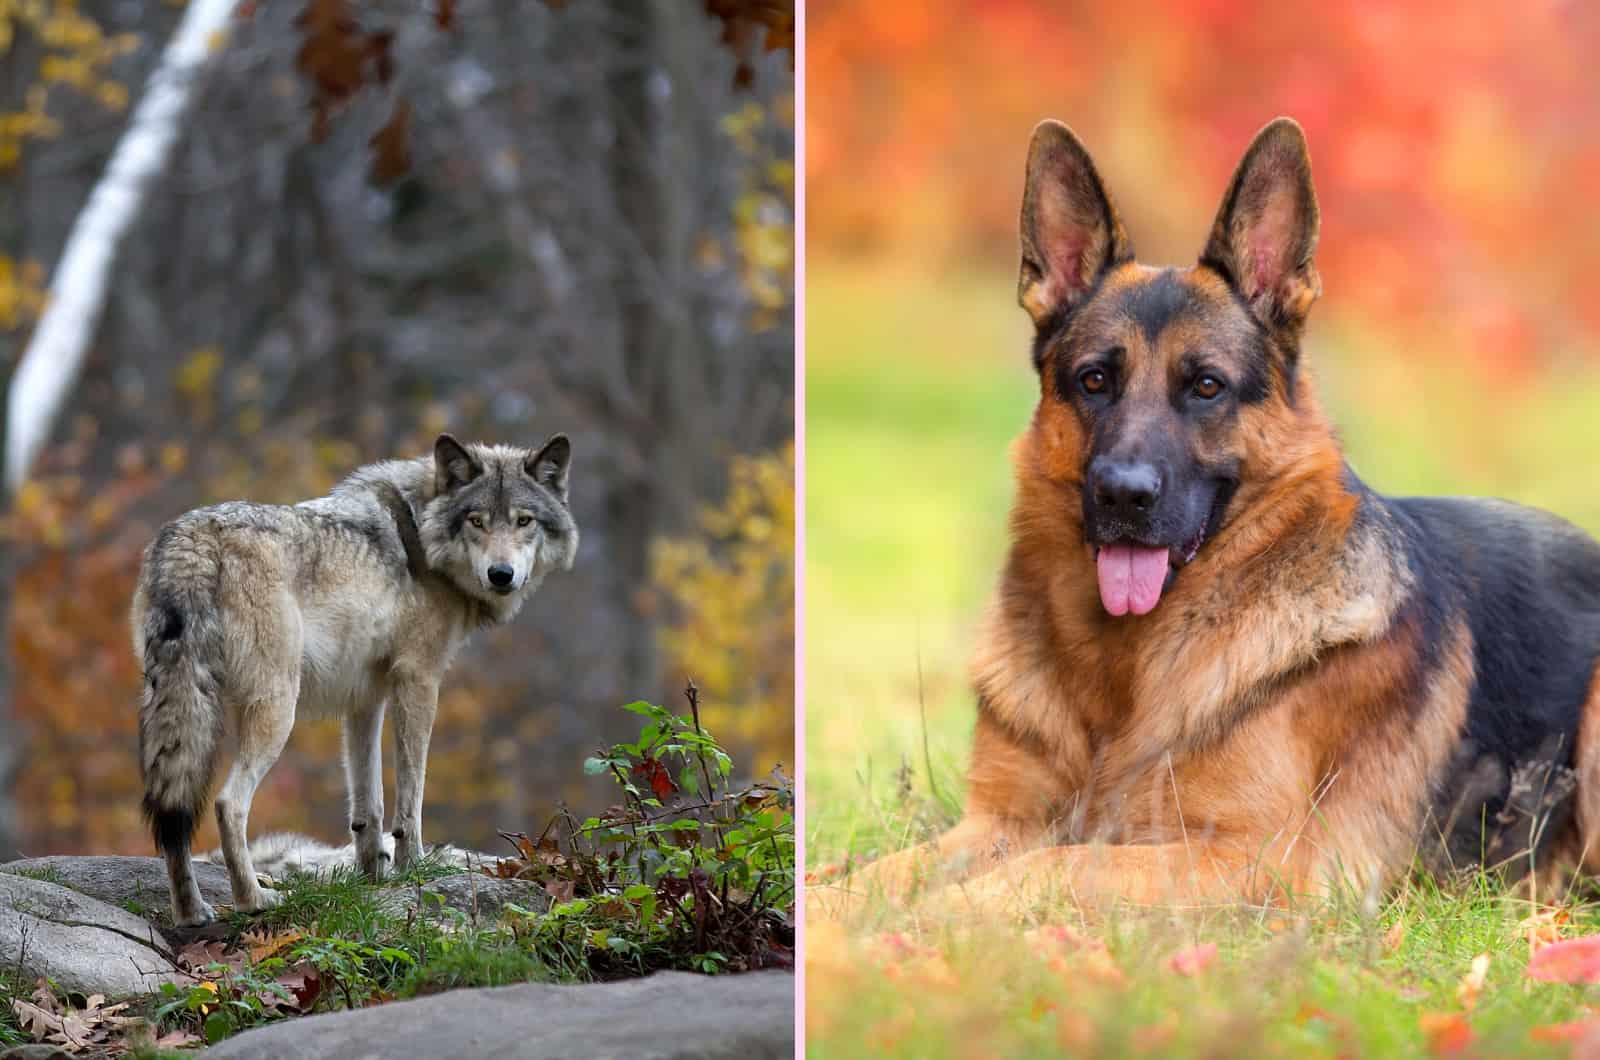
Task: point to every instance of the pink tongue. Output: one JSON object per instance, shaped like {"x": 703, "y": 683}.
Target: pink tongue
{"x": 1131, "y": 578}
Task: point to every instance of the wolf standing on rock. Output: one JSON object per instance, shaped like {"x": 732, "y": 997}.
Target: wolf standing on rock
{"x": 247, "y": 613}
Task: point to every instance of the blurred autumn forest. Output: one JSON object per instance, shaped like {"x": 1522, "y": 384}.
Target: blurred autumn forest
{"x": 380, "y": 221}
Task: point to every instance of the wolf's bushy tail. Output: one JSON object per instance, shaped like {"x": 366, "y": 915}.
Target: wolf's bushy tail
{"x": 180, "y": 715}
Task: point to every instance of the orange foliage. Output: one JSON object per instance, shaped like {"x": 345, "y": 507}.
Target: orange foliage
{"x": 1455, "y": 154}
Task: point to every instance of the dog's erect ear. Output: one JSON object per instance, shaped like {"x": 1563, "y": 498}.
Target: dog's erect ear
{"x": 1265, "y": 234}
{"x": 548, "y": 467}
{"x": 1071, "y": 233}
{"x": 453, "y": 466}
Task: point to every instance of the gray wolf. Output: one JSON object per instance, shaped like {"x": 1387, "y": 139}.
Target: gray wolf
{"x": 280, "y": 853}
{"x": 246, "y": 616}
{"x": 1218, "y": 665}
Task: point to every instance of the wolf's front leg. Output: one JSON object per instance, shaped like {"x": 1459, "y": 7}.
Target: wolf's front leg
{"x": 416, "y": 700}
{"x": 363, "y": 768}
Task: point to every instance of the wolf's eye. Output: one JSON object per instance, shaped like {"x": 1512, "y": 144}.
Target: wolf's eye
{"x": 524, "y": 520}
{"x": 1207, "y": 387}
{"x": 476, "y": 521}
{"x": 1093, "y": 380}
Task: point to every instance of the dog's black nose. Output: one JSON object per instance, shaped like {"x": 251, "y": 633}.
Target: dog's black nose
{"x": 1125, "y": 489}
{"x": 500, "y": 575}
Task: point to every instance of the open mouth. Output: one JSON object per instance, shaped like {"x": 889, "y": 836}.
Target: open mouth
{"x": 1133, "y": 576}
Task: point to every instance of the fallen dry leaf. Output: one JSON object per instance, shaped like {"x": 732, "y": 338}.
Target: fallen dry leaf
{"x": 179, "y": 1039}
{"x": 1471, "y": 984}
{"x": 1543, "y": 928}
{"x": 74, "y": 1029}
{"x": 1074, "y": 956}
{"x": 1448, "y": 1033}
{"x": 1194, "y": 959}
{"x": 1567, "y": 961}
{"x": 1394, "y": 936}
{"x": 264, "y": 944}
{"x": 1154, "y": 1037}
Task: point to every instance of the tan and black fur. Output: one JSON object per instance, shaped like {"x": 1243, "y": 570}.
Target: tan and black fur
{"x": 248, "y": 615}
{"x": 1332, "y": 683}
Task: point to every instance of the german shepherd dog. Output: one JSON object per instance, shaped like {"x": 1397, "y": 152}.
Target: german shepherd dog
{"x": 1218, "y": 666}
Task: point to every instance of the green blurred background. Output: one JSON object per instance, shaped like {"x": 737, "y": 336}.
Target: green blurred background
{"x": 1455, "y": 343}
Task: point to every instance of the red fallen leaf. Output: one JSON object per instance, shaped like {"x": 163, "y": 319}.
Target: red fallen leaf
{"x": 1448, "y": 1033}
{"x": 391, "y": 146}
{"x": 306, "y": 986}
{"x": 1157, "y": 1035}
{"x": 560, "y": 890}
{"x": 444, "y": 14}
{"x": 1571, "y": 1031}
{"x": 1194, "y": 959}
{"x": 660, "y": 780}
{"x": 1569, "y": 961}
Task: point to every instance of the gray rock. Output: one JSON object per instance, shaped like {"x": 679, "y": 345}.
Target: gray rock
{"x": 81, "y": 943}
{"x": 139, "y": 883}
{"x": 130, "y": 882}
{"x": 665, "y": 1017}
{"x": 36, "y": 1052}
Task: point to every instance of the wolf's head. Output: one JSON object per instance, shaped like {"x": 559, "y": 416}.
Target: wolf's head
{"x": 498, "y": 520}
{"x": 1171, "y": 400}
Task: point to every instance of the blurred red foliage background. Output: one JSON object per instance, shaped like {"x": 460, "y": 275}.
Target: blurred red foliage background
{"x": 1456, "y": 147}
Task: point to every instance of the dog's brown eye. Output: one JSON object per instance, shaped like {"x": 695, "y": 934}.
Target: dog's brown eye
{"x": 524, "y": 520}
{"x": 476, "y": 521}
{"x": 1093, "y": 381}
{"x": 1207, "y": 387}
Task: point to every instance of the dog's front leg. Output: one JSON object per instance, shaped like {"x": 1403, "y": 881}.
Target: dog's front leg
{"x": 1089, "y": 874}
{"x": 974, "y": 845}
{"x": 415, "y": 701}
{"x": 363, "y": 766}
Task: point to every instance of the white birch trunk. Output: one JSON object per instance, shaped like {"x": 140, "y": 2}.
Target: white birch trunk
{"x": 50, "y": 365}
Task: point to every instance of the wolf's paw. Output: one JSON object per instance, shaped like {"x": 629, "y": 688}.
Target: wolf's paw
{"x": 263, "y": 900}
{"x": 376, "y": 867}
{"x": 199, "y": 915}
{"x": 407, "y": 852}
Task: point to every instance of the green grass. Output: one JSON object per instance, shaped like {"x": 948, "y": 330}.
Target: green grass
{"x": 915, "y": 390}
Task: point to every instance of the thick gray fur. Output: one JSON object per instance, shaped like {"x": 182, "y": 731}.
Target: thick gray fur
{"x": 249, "y": 615}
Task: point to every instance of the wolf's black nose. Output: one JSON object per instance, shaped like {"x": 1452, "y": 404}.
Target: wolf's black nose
{"x": 1128, "y": 490}
{"x": 500, "y": 575}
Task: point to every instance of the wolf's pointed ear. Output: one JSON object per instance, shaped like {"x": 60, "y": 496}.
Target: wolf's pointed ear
{"x": 1071, "y": 233}
{"x": 548, "y": 467}
{"x": 1265, "y": 234}
{"x": 453, "y": 465}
